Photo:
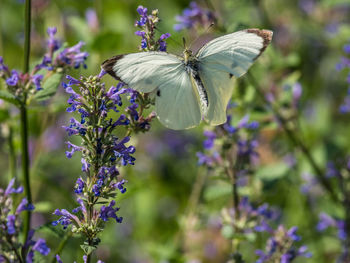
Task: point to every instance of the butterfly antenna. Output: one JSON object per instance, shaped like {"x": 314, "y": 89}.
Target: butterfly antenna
{"x": 184, "y": 42}
{"x": 205, "y": 32}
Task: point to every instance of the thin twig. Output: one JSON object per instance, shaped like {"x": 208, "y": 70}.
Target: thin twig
{"x": 24, "y": 119}
{"x": 294, "y": 139}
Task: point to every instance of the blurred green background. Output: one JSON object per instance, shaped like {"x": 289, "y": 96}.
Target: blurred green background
{"x": 172, "y": 207}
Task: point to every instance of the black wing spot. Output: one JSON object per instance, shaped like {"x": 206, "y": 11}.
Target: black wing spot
{"x": 158, "y": 93}
{"x": 231, "y": 75}
{"x": 108, "y": 64}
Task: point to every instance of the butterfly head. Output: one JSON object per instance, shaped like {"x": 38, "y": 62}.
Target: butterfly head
{"x": 187, "y": 55}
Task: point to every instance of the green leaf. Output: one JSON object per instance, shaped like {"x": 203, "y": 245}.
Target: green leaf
{"x": 56, "y": 230}
{"x": 4, "y": 115}
{"x": 43, "y": 206}
{"x": 49, "y": 87}
{"x": 7, "y": 96}
{"x": 218, "y": 191}
{"x": 87, "y": 249}
{"x": 272, "y": 171}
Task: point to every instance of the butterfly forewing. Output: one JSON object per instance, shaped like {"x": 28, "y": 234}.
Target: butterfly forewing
{"x": 143, "y": 71}
{"x": 177, "y": 105}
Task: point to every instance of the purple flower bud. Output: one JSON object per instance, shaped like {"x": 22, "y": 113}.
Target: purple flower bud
{"x": 142, "y": 10}
{"x": 41, "y": 247}
{"x": 74, "y": 148}
{"x": 11, "y": 190}
{"x": 110, "y": 212}
{"x": 85, "y": 165}
{"x": 58, "y": 258}
{"x": 23, "y": 205}
{"x": 347, "y": 48}
{"x": 296, "y": 91}
{"x": 209, "y": 142}
{"x": 11, "y": 224}
{"x": 292, "y": 234}
{"x": 37, "y": 81}
{"x": 13, "y": 80}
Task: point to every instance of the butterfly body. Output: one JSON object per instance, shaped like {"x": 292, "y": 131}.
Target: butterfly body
{"x": 193, "y": 87}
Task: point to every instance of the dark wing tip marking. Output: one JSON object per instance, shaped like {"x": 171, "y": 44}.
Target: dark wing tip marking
{"x": 266, "y": 35}
{"x": 158, "y": 93}
{"x": 108, "y": 64}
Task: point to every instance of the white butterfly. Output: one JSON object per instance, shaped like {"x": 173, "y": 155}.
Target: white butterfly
{"x": 194, "y": 87}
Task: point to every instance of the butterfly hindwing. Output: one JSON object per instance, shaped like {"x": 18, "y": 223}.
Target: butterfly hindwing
{"x": 177, "y": 104}
{"x": 226, "y": 57}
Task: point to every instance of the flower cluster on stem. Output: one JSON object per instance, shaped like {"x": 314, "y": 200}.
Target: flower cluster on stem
{"x": 56, "y": 59}
{"x": 11, "y": 249}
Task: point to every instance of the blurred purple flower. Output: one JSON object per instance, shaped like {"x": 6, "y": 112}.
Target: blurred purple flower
{"x": 307, "y": 6}
{"x": 194, "y": 16}
{"x": 326, "y": 221}
{"x": 37, "y": 81}
{"x": 41, "y": 247}
{"x": 209, "y": 142}
{"x": 92, "y": 19}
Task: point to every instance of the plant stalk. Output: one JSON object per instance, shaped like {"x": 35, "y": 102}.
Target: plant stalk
{"x": 12, "y": 155}
{"x": 294, "y": 139}
{"x": 25, "y": 167}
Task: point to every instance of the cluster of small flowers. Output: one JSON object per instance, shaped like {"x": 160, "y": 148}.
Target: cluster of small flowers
{"x": 101, "y": 150}
{"x": 345, "y": 63}
{"x": 64, "y": 57}
{"x": 250, "y": 219}
{"x": 147, "y": 24}
{"x": 56, "y": 59}
{"x": 224, "y": 138}
{"x": 11, "y": 250}
{"x": 326, "y": 221}
{"x": 281, "y": 247}
{"x": 195, "y": 16}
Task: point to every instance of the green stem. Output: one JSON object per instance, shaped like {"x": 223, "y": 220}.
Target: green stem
{"x": 61, "y": 246}
{"x": 12, "y": 154}
{"x": 25, "y": 167}
{"x": 27, "y": 27}
{"x": 295, "y": 140}
{"x": 24, "y": 119}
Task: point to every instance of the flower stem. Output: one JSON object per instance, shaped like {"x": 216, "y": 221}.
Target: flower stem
{"x": 294, "y": 139}
{"x": 27, "y": 27}
{"x": 24, "y": 119}
{"x": 12, "y": 154}
{"x": 61, "y": 245}
{"x": 25, "y": 166}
